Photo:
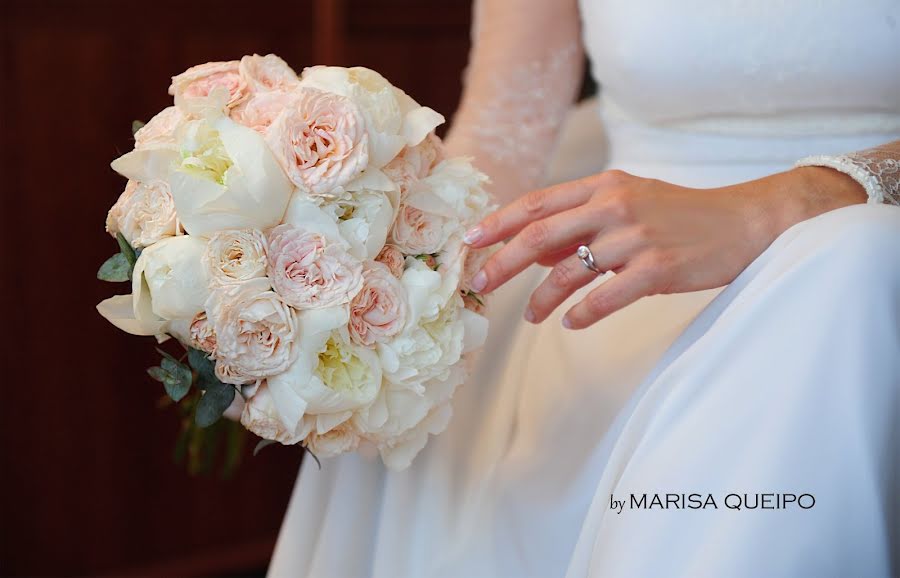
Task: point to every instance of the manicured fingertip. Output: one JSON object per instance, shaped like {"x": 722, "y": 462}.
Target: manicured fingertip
{"x": 529, "y": 315}
{"x": 566, "y": 323}
{"x": 479, "y": 282}
{"x": 473, "y": 235}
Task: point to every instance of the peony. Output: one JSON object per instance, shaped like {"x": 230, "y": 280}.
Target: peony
{"x": 309, "y": 271}
{"x": 227, "y": 179}
{"x": 235, "y": 255}
{"x": 201, "y": 333}
{"x": 455, "y": 189}
{"x": 194, "y": 86}
{"x": 161, "y": 130}
{"x": 393, "y": 119}
{"x": 393, "y": 258}
{"x": 378, "y": 312}
{"x": 144, "y": 213}
{"x": 255, "y": 331}
{"x": 267, "y": 73}
{"x": 169, "y": 281}
{"x": 417, "y": 232}
{"x": 320, "y": 141}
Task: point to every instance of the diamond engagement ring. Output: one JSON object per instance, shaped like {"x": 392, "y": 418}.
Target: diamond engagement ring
{"x": 587, "y": 259}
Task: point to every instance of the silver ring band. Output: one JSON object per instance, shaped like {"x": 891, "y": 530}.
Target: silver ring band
{"x": 587, "y": 259}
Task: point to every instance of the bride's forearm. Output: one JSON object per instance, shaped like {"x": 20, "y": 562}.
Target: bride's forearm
{"x": 523, "y": 73}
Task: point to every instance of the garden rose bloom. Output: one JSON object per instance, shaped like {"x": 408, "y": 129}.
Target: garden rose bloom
{"x": 160, "y": 130}
{"x": 337, "y": 440}
{"x": 201, "y": 333}
{"x": 260, "y": 415}
{"x": 144, "y": 213}
{"x": 417, "y": 232}
{"x": 414, "y": 163}
{"x": 198, "y": 83}
{"x": 255, "y": 331}
{"x": 393, "y": 119}
{"x": 320, "y": 141}
{"x": 235, "y": 255}
{"x": 262, "y": 109}
{"x": 391, "y": 256}
{"x": 379, "y": 310}
{"x": 267, "y": 73}
{"x": 308, "y": 271}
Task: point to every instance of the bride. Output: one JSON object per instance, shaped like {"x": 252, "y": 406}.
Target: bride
{"x": 647, "y": 422}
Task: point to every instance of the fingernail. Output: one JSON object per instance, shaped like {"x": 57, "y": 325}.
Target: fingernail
{"x": 473, "y": 235}
{"x": 566, "y": 323}
{"x": 479, "y": 282}
{"x": 529, "y": 315}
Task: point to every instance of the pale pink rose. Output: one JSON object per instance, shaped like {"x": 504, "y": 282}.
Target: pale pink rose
{"x": 235, "y": 255}
{"x": 308, "y": 271}
{"x": 320, "y": 141}
{"x": 269, "y": 72}
{"x": 262, "y": 109}
{"x": 255, "y": 331}
{"x": 416, "y": 232}
{"x": 200, "y": 81}
{"x": 379, "y": 310}
{"x": 391, "y": 256}
{"x": 414, "y": 164}
{"x": 337, "y": 440}
{"x": 202, "y": 335}
{"x": 160, "y": 130}
{"x": 144, "y": 213}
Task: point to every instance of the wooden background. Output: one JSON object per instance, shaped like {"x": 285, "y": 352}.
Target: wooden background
{"x": 87, "y": 483}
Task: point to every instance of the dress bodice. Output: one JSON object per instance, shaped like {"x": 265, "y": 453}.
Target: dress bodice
{"x": 760, "y": 67}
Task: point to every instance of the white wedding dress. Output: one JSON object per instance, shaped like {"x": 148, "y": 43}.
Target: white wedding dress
{"x": 786, "y": 381}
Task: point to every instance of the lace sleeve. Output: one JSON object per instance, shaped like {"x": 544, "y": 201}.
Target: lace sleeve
{"x": 876, "y": 169}
{"x": 524, "y": 70}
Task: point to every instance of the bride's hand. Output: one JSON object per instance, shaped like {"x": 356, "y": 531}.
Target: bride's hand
{"x": 657, "y": 237}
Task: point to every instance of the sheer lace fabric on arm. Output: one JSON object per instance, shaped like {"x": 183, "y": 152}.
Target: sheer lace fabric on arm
{"x": 876, "y": 169}
{"x": 524, "y": 70}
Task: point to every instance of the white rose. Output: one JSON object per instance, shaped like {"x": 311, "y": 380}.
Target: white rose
{"x": 144, "y": 213}
{"x": 235, "y": 255}
{"x": 169, "y": 281}
{"x": 393, "y": 119}
{"x": 338, "y": 440}
{"x": 260, "y": 416}
{"x": 454, "y": 190}
{"x": 255, "y": 331}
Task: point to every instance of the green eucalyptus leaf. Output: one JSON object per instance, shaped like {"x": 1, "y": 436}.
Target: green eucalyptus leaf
{"x": 262, "y": 444}
{"x": 126, "y": 249}
{"x": 204, "y": 366}
{"x": 181, "y": 377}
{"x": 213, "y": 404}
{"x": 159, "y": 374}
{"x": 136, "y": 125}
{"x": 115, "y": 269}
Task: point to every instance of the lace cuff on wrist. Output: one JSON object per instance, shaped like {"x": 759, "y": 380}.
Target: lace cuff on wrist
{"x": 876, "y": 169}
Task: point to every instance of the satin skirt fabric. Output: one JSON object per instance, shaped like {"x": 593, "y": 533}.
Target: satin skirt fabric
{"x": 786, "y": 381}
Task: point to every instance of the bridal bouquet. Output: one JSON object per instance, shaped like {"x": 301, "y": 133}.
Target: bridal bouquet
{"x": 301, "y": 238}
